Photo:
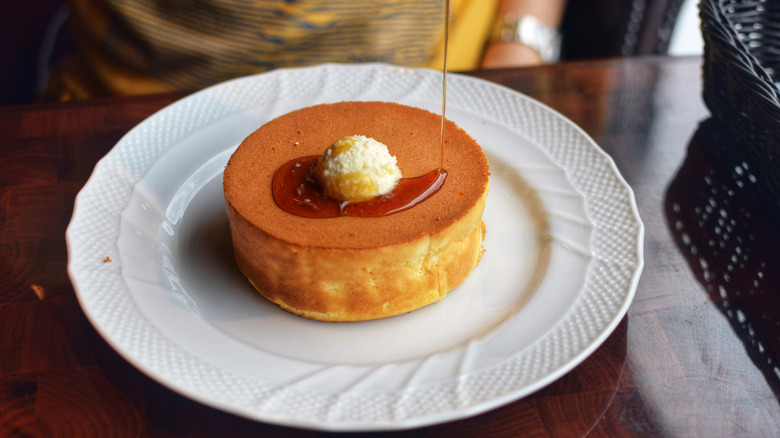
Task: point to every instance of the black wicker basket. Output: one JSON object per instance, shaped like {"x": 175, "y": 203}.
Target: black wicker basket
{"x": 741, "y": 61}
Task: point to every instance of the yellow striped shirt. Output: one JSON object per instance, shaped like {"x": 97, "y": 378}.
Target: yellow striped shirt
{"x": 148, "y": 46}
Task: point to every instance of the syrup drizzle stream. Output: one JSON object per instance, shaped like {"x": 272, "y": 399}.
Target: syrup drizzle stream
{"x": 444, "y": 79}
{"x": 296, "y": 191}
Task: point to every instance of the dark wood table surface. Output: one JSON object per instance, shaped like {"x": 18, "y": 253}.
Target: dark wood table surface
{"x": 696, "y": 355}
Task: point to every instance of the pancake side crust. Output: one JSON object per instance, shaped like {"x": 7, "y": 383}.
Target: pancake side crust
{"x": 357, "y": 268}
{"x": 331, "y": 284}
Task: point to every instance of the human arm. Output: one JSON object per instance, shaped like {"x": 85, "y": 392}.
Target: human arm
{"x": 499, "y": 53}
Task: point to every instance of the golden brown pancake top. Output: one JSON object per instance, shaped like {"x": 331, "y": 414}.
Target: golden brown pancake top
{"x": 411, "y": 134}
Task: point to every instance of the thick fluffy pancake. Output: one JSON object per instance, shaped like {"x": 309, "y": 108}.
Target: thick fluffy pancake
{"x": 411, "y": 134}
{"x": 355, "y": 268}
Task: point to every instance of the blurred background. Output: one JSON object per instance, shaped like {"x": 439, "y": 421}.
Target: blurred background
{"x": 35, "y": 35}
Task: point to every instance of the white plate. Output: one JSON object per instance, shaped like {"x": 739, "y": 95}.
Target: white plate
{"x": 563, "y": 256}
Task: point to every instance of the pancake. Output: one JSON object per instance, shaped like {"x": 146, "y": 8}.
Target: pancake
{"x": 357, "y": 268}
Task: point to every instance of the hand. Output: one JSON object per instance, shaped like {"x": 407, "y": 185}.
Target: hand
{"x": 509, "y": 54}
{"x": 500, "y": 54}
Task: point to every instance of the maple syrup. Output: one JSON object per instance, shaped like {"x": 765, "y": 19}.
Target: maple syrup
{"x": 296, "y": 191}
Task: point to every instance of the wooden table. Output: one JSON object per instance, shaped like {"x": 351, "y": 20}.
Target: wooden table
{"x": 697, "y": 354}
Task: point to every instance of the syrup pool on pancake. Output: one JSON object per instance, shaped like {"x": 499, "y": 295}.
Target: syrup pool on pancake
{"x": 355, "y": 176}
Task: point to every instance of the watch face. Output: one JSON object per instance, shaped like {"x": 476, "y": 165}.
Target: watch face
{"x": 529, "y": 31}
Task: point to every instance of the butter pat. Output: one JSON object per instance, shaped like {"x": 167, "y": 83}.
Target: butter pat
{"x": 356, "y": 168}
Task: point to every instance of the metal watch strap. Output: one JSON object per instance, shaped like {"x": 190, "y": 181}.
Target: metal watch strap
{"x": 528, "y": 31}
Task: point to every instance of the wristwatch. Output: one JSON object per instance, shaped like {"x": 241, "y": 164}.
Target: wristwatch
{"x": 530, "y": 32}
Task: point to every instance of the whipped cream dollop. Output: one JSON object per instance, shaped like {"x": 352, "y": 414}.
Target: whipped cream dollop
{"x": 356, "y": 168}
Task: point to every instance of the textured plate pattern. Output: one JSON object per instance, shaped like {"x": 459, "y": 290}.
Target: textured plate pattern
{"x": 614, "y": 254}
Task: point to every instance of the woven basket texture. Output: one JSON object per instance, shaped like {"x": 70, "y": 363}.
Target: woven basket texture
{"x": 741, "y": 61}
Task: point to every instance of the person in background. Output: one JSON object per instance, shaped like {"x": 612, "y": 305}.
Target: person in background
{"x": 131, "y": 47}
